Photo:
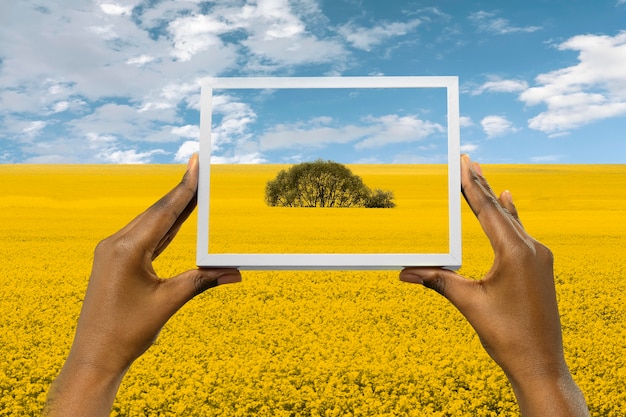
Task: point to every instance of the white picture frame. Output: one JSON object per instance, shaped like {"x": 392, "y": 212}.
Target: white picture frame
{"x": 360, "y": 261}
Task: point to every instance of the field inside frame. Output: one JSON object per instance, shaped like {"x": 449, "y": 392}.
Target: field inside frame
{"x": 241, "y": 222}
{"x": 306, "y": 343}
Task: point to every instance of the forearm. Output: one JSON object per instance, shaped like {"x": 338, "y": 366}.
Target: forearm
{"x": 550, "y": 396}
{"x": 82, "y": 391}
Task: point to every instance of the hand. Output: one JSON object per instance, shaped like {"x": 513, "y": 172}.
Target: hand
{"x": 127, "y": 304}
{"x": 513, "y": 308}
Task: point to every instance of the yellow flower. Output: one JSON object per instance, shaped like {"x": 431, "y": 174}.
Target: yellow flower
{"x": 306, "y": 343}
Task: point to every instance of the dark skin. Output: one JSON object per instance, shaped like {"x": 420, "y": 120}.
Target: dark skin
{"x": 513, "y": 308}
{"x": 127, "y": 304}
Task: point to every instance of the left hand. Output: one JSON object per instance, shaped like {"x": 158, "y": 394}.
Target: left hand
{"x": 127, "y": 304}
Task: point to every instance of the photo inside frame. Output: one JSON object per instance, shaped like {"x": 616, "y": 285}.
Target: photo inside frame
{"x": 392, "y": 141}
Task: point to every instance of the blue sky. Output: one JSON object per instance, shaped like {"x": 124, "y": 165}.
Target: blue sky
{"x": 117, "y": 81}
{"x": 347, "y": 125}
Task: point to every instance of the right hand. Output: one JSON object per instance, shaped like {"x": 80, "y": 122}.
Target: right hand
{"x": 513, "y": 308}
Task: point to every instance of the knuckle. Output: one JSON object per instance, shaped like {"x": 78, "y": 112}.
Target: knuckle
{"x": 104, "y": 246}
{"x": 170, "y": 202}
{"x": 544, "y": 253}
{"x": 524, "y": 252}
{"x": 115, "y": 247}
{"x": 437, "y": 284}
{"x": 202, "y": 283}
{"x": 186, "y": 186}
{"x": 529, "y": 251}
{"x": 165, "y": 202}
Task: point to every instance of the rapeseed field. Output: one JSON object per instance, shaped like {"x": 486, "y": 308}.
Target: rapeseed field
{"x": 309, "y": 343}
{"x": 245, "y": 224}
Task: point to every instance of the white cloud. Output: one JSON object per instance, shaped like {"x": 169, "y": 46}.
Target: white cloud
{"x": 374, "y": 132}
{"x": 127, "y": 122}
{"x": 249, "y": 158}
{"x": 108, "y": 149}
{"x": 187, "y": 149}
{"x": 232, "y": 139}
{"x": 59, "y": 150}
{"x": 236, "y": 117}
{"x": 284, "y": 136}
{"x": 187, "y": 131}
{"x": 468, "y": 147}
{"x": 130, "y": 69}
{"x": 34, "y": 128}
{"x": 591, "y": 90}
{"x": 269, "y": 54}
{"x": 91, "y": 148}
{"x": 6, "y": 157}
{"x": 166, "y": 11}
{"x": 194, "y": 34}
{"x": 52, "y": 159}
{"x": 490, "y": 22}
{"x": 366, "y": 38}
{"x": 140, "y": 60}
{"x": 37, "y": 51}
{"x": 273, "y": 35}
{"x": 465, "y": 121}
{"x": 501, "y": 86}
{"x": 171, "y": 95}
{"x": 41, "y": 76}
{"x": 495, "y": 126}
{"x": 277, "y": 36}
{"x": 544, "y": 159}
{"x": 558, "y": 134}
{"x": 131, "y": 156}
{"x": 392, "y": 129}
{"x": 70, "y": 105}
{"x": 18, "y": 101}
{"x": 115, "y": 9}
{"x": 105, "y": 32}
{"x": 21, "y": 130}
{"x": 60, "y": 106}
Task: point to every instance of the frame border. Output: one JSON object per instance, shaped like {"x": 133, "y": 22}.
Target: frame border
{"x": 450, "y": 260}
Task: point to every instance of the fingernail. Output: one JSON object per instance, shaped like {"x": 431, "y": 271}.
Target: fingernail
{"x": 190, "y": 162}
{"x": 509, "y": 195}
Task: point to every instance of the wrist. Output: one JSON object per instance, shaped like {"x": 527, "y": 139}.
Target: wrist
{"x": 83, "y": 388}
{"x": 550, "y": 392}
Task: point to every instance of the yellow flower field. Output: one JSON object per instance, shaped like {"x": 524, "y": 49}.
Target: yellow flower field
{"x": 305, "y": 343}
{"x": 239, "y": 210}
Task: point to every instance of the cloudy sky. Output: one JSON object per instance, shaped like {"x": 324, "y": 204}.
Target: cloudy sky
{"x": 117, "y": 81}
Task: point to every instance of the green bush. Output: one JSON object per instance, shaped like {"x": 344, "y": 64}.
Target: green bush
{"x": 323, "y": 184}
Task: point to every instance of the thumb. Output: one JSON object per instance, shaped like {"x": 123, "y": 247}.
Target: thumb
{"x": 447, "y": 283}
{"x": 185, "y": 286}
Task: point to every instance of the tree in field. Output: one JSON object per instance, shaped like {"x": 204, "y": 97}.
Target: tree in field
{"x": 323, "y": 184}
{"x": 380, "y": 199}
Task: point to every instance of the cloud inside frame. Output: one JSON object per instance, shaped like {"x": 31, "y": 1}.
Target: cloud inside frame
{"x": 373, "y": 132}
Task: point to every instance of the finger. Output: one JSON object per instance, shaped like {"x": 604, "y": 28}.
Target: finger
{"x": 166, "y": 215}
{"x": 169, "y": 236}
{"x": 183, "y": 287}
{"x": 497, "y": 223}
{"x": 164, "y": 243}
{"x": 457, "y": 289}
{"x": 506, "y": 201}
